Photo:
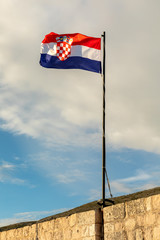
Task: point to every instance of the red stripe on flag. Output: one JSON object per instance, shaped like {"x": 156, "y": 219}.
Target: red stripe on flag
{"x": 78, "y": 39}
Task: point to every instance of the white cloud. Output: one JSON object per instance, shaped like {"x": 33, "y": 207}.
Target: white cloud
{"x": 8, "y": 174}
{"x": 62, "y": 170}
{"x": 141, "y": 176}
{"x": 142, "y": 180}
{"x": 5, "y": 165}
{"x": 60, "y": 106}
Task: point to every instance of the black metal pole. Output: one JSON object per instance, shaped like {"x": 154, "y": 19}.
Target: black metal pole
{"x": 103, "y": 137}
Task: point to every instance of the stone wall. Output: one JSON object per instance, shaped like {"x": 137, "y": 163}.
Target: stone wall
{"x": 137, "y": 219}
{"x": 132, "y": 217}
{"x": 78, "y": 226}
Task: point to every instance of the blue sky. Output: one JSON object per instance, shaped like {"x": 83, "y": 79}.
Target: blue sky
{"x": 51, "y": 120}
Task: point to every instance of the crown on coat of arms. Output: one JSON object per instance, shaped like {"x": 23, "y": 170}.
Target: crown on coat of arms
{"x": 64, "y": 39}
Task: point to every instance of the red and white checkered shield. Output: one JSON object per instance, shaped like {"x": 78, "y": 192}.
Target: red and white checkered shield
{"x": 63, "y": 48}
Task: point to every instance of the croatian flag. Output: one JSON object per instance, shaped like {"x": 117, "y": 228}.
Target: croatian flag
{"x": 71, "y": 51}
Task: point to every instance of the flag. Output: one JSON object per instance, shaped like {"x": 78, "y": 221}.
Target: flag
{"x": 71, "y": 51}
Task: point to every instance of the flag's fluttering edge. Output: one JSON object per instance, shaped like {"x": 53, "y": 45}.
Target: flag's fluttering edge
{"x": 71, "y": 51}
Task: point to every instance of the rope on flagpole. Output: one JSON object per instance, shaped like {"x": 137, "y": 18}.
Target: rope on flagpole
{"x": 108, "y": 183}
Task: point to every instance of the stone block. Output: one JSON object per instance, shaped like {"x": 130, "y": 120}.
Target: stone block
{"x": 120, "y": 236}
{"x": 135, "y": 207}
{"x": 45, "y": 225}
{"x": 116, "y": 236}
{"x": 95, "y": 230}
{"x": 119, "y": 226}
{"x": 109, "y": 228}
{"x": 10, "y": 234}
{"x": 148, "y": 202}
{"x": 52, "y": 235}
{"x": 77, "y": 232}
{"x": 19, "y": 233}
{"x": 131, "y": 235}
{"x": 85, "y": 231}
{"x": 148, "y": 233}
{"x": 114, "y": 212}
{"x": 139, "y": 234}
{"x": 57, "y": 224}
{"x": 92, "y": 230}
{"x": 156, "y": 233}
{"x": 72, "y": 220}
{"x": 156, "y": 202}
{"x": 109, "y": 236}
{"x": 50, "y": 224}
{"x": 130, "y": 224}
{"x": 68, "y": 234}
{"x": 27, "y": 231}
{"x": 150, "y": 219}
{"x": 140, "y": 220}
{"x": 86, "y": 218}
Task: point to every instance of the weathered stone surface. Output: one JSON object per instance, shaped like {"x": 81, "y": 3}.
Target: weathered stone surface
{"x": 130, "y": 224}
{"x": 131, "y": 235}
{"x": 109, "y": 228}
{"x": 119, "y": 226}
{"x": 156, "y": 202}
{"x": 140, "y": 220}
{"x": 148, "y": 202}
{"x": 135, "y": 207}
{"x": 68, "y": 234}
{"x": 116, "y": 236}
{"x": 86, "y": 218}
{"x": 114, "y": 212}
{"x": 150, "y": 219}
{"x": 120, "y": 235}
{"x": 156, "y": 233}
{"x": 109, "y": 236}
{"x": 148, "y": 233}
{"x": 86, "y": 231}
{"x": 139, "y": 234}
{"x": 73, "y": 220}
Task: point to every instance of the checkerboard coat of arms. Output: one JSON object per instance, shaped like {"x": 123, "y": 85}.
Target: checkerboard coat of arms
{"x": 63, "y": 48}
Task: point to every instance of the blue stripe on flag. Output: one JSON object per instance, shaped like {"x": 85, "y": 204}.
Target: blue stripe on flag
{"x": 49, "y": 61}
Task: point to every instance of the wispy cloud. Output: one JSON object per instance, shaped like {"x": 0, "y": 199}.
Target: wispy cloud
{"x": 29, "y": 216}
{"x": 141, "y": 176}
{"x": 141, "y": 181}
{"x": 8, "y": 174}
{"x": 61, "y": 168}
{"x": 6, "y": 166}
{"x": 71, "y": 176}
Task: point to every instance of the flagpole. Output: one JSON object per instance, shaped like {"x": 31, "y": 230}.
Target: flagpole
{"x": 103, "y": 124}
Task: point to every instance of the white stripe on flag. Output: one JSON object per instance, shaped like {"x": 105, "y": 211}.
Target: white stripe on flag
{"x": 76, "y": 51}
